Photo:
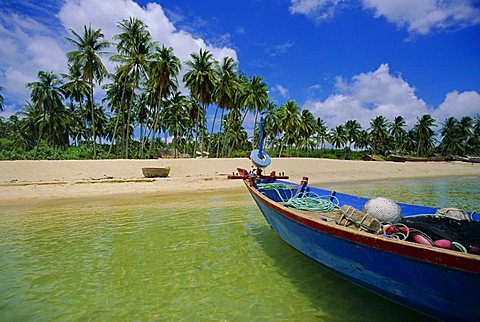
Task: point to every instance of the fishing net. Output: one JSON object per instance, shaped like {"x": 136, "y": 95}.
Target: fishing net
{"x": 384, "y": 209}
{"x": 464, "y": 232}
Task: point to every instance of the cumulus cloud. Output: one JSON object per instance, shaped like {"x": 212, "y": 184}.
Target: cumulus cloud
{"x": 318, "y": 10}
{"x": 418, "y": 16}
{"x": 422, "y": 16}
{"x": 28, "y": 45}
{"x": 458, "y": 105}
{"x": 379, "y": 92}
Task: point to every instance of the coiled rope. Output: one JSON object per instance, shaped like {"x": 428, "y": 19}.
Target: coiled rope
{"x": 307, "y": 201}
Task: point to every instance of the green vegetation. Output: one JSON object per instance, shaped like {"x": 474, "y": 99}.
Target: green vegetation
{"x": 63, "y": 121}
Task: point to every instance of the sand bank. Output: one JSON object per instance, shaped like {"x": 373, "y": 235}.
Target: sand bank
{"x": 78, "y": 178}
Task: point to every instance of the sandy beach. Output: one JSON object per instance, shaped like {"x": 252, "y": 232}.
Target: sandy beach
{"x": 83, "y": 178}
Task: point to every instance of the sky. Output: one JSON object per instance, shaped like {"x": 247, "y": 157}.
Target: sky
{"x": 341, "y": 59}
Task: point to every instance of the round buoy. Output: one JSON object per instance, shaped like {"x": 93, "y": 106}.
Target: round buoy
{"x": 260, "y": 160}
{"x": 384, "y": 209}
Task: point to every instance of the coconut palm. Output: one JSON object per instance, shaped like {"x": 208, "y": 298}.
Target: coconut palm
{"x": 424, "y": 134}
{"x": 200, "y": 80}
{"x": 271, "y": 123}
{"x": 1, "y": 100}
{"x": 352, "y": 131}
{"x": 134, "y": 46}
{"x": 337, "y": 137}
{"x": 226, "y": 75}
{"x": 322, "y": 132}
{"x": 175, "y": 116}
{"x": 86, "y": 56}
{"x": 163, "y": 71}
{"x": 378, "y": 132}
{"x": 307, "y": 129}
{"x": 256, "y": 97}
{"x": 397, "y": 131}
{"x": 451, "y": 142}
{"x": 289, "y": 120}
{"x": 48, "y": 113}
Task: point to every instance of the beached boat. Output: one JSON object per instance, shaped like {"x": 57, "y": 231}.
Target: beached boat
{"x": 467, "y": 159}
{"x": 157, "y": 172}
{"x": 406, "y": 158}
{"x": 440, "y": 282}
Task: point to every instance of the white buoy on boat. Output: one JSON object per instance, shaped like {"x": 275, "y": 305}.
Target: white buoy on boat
{"x": 384, "y": 209}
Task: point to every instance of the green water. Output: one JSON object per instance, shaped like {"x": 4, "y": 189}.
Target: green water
{"x": 196, "y": 257}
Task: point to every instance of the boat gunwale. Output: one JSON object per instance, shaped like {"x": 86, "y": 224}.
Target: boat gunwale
{"x": 434, "y": 255}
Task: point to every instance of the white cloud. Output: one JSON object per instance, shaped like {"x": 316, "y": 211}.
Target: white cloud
{"x": 379, "y": 92}
{"x": 422, "y": 16}
{"x": 29, "y": 45}
{"x": 418, "y": 16}
{"x": 282, "y": 91}
{"x": 107, "y": 13}
{"x": 458, "y": 105}
{"x": 317, "y": 10}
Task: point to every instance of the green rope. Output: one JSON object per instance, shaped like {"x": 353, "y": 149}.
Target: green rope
{"x": 308, "y": 201}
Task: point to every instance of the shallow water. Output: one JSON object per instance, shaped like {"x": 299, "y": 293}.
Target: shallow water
{"x": 192, "y": 257}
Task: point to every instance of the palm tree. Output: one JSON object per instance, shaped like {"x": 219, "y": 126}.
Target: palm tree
{"x": 378, "y": 132}
{"x": 451, "y": 142}
{"x": 89, "y": 46}
{"x": 48, "y": 114}
{"x": 289, "y": 120}
{"x": 163, "y": 71}
{"x": 352, "y": 131}
{"x": 176, "y": 116}
{"x": 424, "y": 134}
{"x": 271, "y": 123}
{"x": 322, "y": 132}
{"x": 256, "y": 97}
{"x": 141, "y": 115}
{"x": 1, "y": 100}
{"x": 226, "y": 75}
{"x": 200, "y": 80}
{"x": 337, "y": 137}
{"x": 397, "y": 131}
{"x": 134, "y": 45}
{"x": 308, "y": 127}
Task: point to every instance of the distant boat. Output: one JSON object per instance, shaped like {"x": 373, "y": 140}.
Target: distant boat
{"x": 158, "y": 172}
{"x": 468, "y": 159}
{"x": 406, "y": 158}
{"x": 440, "y": 282}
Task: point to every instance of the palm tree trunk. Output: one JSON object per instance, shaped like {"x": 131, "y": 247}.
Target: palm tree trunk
{"x": 93, "y": 120}
{"x": 118, "y": 118}
{"x": 128, "y": 122}
{"x": 211, "y": 132}
{"x": 141, "y": 141}
{"x": 155, "y": 121}
{"x": 219, "y": 132}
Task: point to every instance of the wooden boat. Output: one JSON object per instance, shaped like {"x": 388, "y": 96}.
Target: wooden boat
{"x": 405, "y": 158}
{"x": 467, "y": 159}
{"x": 158, "y": 172}
{"x": 439, "y": 282}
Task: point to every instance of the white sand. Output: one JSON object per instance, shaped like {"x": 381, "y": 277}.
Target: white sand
{"x": 58, "y": 179}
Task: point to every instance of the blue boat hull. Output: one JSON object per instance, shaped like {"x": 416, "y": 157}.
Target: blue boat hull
{"x": 448, "y": 293}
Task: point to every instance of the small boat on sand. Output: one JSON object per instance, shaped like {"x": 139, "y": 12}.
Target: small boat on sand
{"x": 406, "y": 158}
{"x": 468, "y": 159}
{"x": 157, "y": 172}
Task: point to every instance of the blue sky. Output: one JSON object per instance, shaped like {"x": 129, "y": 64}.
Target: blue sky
{"x": 341, "y": 59}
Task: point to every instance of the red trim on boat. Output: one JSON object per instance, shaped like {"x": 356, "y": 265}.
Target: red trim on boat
{"x": 466, "y": 262}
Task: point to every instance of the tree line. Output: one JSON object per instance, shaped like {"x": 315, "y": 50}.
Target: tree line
{"x": 63, "y": 120}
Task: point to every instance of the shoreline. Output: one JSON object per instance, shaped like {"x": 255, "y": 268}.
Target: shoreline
{"x": 43, "y": 179}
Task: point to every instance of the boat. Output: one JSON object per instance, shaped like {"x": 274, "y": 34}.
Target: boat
{"x": 406, "y": 158}
{"x": 156, "y": 172}
{"x": 432, "y": 277}
{"x": 467, "y": 159}
{"x": 439, "y": 282}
